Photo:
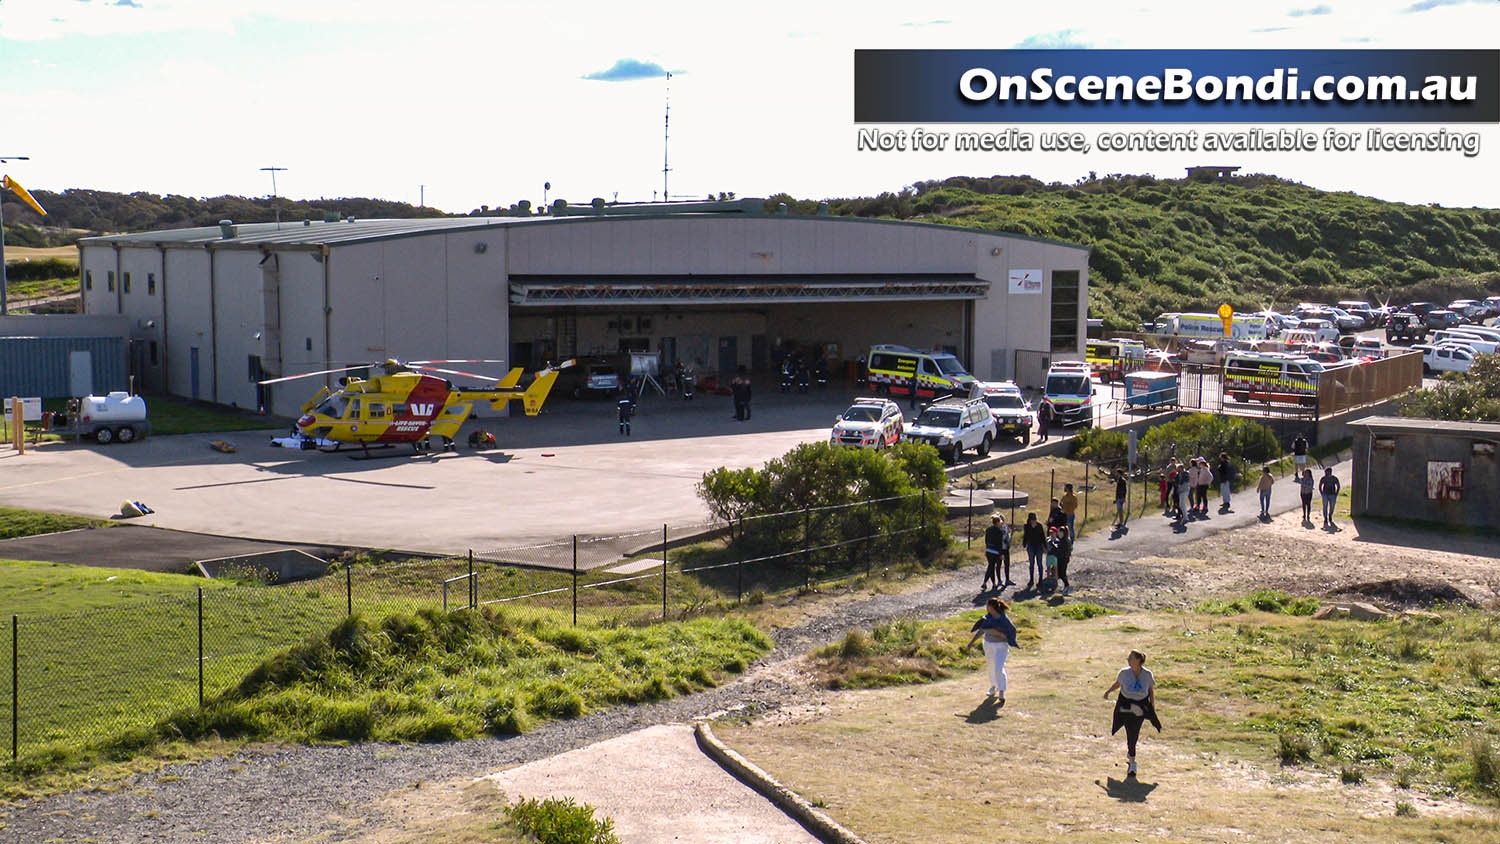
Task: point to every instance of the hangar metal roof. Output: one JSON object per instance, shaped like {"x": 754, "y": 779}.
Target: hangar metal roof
{"x": 309, "y": 235}
{"x": 531, "y": 290}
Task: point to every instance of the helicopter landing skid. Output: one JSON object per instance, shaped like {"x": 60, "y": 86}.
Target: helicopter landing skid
{"x": 364, "y": 452}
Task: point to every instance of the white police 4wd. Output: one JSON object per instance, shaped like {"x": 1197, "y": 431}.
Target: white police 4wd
{"x": 1012, "y": 413}
{"x": 955, "y": 425}
{"x": 1070, "y": 393}
{"x": 869, "y": 423}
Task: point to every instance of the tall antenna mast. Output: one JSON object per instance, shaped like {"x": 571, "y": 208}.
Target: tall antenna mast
{"x": 666, "y": 127}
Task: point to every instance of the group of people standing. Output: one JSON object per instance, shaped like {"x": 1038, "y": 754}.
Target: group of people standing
{"x": 1184, "y": 487}
{"x": 1048, "y": 547}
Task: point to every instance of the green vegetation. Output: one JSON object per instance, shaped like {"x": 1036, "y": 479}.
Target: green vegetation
{"x": 172, "y": 415}
{"x": 907, "y": 651}
{"x": 1082, "y": 611}
{"x": 43, "y": 269}
{"x": 1099, "y": 445}
{"x": 438, "y": 677}
{"x": 554, "y": 821}
{"x": 1264, "y": 600}
{"x": 1472, "y": 396}
{"x": 1177, "y": 245}
{"x": 1207, "y": 434}
{"x": 830, "y": 478}
{"x": 1417, "y": 700}
{"x": 16, "y": 523}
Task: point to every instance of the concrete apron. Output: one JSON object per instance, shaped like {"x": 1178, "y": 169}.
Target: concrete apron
{"x": 657, "y": 786}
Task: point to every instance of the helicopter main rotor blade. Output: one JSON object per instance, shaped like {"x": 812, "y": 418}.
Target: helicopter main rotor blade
{"x": 453, "y": 372}
{"x": 310, "y": 374}
{"x": 466, "y": 360}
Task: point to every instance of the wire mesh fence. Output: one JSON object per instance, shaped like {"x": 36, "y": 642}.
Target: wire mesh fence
{"x": 88, "y": 678}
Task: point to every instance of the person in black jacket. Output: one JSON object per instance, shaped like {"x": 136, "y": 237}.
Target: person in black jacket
{"x": 1043, "y": 421}
{"x": 1060, "y": 546}
{"x": 997, "y": 553}
{"x": 1034, "y": 538}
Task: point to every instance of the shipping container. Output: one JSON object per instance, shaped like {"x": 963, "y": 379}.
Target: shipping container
{"x": 59, "y": 367}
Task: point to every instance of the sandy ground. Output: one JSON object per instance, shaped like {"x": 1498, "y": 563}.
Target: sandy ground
{"x": 658, "y": 787}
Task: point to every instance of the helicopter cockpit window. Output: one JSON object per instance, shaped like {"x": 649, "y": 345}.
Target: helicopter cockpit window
{"x": 377, "y": 411}
{"x": 334, "y": 406}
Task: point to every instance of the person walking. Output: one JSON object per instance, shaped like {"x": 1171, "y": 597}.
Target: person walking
{"x": 1226, "y": 476}
{"x": 625, "y": 409}
{"x": 997, "y": 554}
{"x": 1299, "y": 453}
{"x": 1043, "y": 421}
{"x": 999, "y": 637}
{"x": 1069, "y": 503}
{"x": 1135, "y": 705}
{"x": 1328, "y": 485}
{"x": 1263, "y": 486}
{"x": 1060, "y": 547}
{"x": 739, "y": 389}
{"x": 1034, "y": 539}
{"x": 1307, "y": 483}
{"x": 1122, "y": 489}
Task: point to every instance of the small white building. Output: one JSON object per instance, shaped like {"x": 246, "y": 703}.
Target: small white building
{"x": 717, "y": 285}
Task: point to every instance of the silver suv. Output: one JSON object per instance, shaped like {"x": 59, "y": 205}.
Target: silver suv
{"x": 955, "y": 425}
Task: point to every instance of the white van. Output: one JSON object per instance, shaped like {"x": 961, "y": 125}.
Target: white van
{"x": 1478, "y": 342}
{"x": 1209, "y": 326}
{"x": 1271, "y": 377}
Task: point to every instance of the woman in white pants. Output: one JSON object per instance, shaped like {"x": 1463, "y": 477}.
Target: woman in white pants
{"x": 999, "y": 637}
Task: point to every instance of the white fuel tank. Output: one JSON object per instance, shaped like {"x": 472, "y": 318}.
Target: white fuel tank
{"x": 115, "y": 407}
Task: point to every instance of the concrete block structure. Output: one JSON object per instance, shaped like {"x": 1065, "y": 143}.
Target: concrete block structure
{"x": 1426, "y": 470}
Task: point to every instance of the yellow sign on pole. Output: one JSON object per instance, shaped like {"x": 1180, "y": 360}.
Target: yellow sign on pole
{"x": 1226, "y": 313}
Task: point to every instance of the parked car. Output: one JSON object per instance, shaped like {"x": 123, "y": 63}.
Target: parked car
{"x": 1460, "y": 337}
{"x": 1013, "y": 417}
{"x": 1346, "y": 321}
{"x": 1320, "y": 330}
{"x": 955, "y": 425}
{"x": 1404, "y": 325}
{"x": 1492, "y": 305}
{"x": 1440, "y": 319}
{"x": 1445, "y": 358}
{"x": 869, "y": 423}
{"x": 1469, "y": 310}
{"x": 1372, "y": 317}
{"x": 1421, "y": 308}
{"x": 1325, "y": 353}
{"x": 1370, "y": 347}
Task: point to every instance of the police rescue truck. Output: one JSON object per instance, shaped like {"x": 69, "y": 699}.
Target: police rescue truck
{"x": 1271, "y": 377}
{"x": 1209, "y": 326}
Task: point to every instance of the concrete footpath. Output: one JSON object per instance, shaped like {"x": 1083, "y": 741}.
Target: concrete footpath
{"x": 658, "y": 787}
{"x": 1154, "y": 533}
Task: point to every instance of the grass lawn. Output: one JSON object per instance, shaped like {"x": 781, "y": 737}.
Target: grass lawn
{"x": 15, "y": 523}
{"x": 1395, "y": 716}
{"x": 173, "y": 415}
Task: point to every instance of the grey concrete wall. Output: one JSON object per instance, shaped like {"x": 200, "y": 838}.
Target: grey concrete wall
{"x": 189, "y": 322}
{"x": 64, "y": 325}
{"x": 1393, "y": 482}
{"x": 96, "y": 263}
{"x": 1005, "y": 322}
{"x": 1331, "y": 429}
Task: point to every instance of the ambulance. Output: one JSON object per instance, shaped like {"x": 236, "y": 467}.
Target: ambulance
{"x": 1112, "y": 359}
{"x": 900, "y": 371}
{"x": 1069, "y": 393}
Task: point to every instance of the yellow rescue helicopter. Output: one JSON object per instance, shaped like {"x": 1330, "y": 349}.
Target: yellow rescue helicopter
{"x": 405, "y": 403}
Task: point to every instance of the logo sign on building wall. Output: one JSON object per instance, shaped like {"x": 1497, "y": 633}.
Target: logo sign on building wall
{"x": 1026, "y": 281}
{"x": 1445, "y": 481}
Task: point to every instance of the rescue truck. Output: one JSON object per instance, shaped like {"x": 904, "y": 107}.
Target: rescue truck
{"x": 1111, "y": 360}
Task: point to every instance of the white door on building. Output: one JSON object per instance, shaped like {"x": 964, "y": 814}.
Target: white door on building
{"x": 80, "y": 373}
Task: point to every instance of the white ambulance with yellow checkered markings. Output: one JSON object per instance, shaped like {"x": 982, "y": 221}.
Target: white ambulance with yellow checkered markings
{"x": 900, "y": 371}
{"x": 1271, "y": 377}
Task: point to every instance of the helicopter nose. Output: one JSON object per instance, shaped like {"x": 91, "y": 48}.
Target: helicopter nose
{"x": 306, "y": 421}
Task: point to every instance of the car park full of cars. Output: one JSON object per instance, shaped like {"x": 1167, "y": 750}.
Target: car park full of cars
{"x": 869, "y": 423}
{"x": 1404, "y": 325}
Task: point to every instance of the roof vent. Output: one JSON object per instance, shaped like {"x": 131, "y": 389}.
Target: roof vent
{"x": 781, "y": 208}
{"x": 349, "y": 219}
{"x": 227, "y": 229}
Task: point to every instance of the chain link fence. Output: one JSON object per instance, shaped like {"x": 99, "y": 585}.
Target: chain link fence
{"x": 91, "y": 677}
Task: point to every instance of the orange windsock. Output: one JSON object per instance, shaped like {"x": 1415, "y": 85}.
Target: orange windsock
{"x": 14, "y": 186}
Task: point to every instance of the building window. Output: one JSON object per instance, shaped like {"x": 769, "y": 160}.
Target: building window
{"x": 125, "y": 283}
{"x": 309, "y": 344}
{"x": 111, "y": 281}
{"x": 1065, "y": 310}
{"x": 88, "y": 279}
{"x": 150, "y": 284}
{"x": 255, "y": 372}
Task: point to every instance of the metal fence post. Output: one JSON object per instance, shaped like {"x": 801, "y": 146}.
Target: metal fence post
{"x": 15, "y": 686}
{"x": 969, "y": 531}
{"x": 1052, "y": 487}
{"x": 349, "y": 588}
{"x": 1012, "y": 501}
{"x": 473, "y": 593}
{"x": 739, "y": 566}
{"x": 575, "y": 580}
{"x": 923, "y": 512}
{"x": 663, "y": 572}
{"x": 200, "y": 647}
{"x": 1087, "y": 474}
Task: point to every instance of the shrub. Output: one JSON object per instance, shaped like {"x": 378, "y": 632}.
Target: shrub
{"x": 1207, "y": 435}
{"x": 1100, "y": 445}
{"x": 1293, "y": 748}
{"x": 1473, "y": 396}
{"x": 1405, "y": 809}
{"x": 1263, "y": 600}
{"x": 1351, "y": 776}
{"x": 1082, "y": 611}
{"x": 554, "y": 821}
{"x": 1484, "y": 766}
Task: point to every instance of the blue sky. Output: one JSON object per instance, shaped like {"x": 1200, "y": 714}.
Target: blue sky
{"x": 484, "y": 101}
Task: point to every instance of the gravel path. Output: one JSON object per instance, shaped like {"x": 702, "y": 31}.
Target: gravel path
{"x": 332, "y": 793}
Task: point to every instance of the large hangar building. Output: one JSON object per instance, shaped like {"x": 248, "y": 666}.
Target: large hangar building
{"x": 715, "y": 285}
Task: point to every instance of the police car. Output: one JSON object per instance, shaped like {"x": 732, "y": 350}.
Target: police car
{"x": 1011, "y": 411}
{"x": 869, "y": 423}
{"x": 954, "y": 425}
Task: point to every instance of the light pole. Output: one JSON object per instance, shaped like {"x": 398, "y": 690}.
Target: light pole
{"x": 4, "y": 292}
{"x": 273, "y": 171}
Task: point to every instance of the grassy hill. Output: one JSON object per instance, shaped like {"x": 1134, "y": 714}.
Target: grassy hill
{"x": 1178, "y": 245}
